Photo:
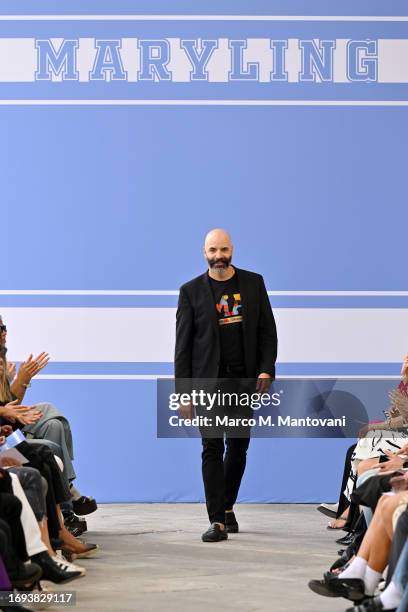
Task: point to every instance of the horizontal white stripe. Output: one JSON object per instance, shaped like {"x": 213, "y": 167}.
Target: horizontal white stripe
{"x": 76, "y": 102}
{"x": 124, "y": 292}
{"x": 306, "y": 335}
{"x": 157, "y": 376}
{"x": 102, "y": 376}
{"x": 203, "y": 18}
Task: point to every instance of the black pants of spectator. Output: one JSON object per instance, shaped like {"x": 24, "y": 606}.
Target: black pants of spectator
{"x": 7, "y": 549}
{"x": 343, "y": 501}
{"x": 35, "y": 488}
{"x": 10, "y": 512}
{"x": 398, "y": 542}
{"x": 42, "y": 458}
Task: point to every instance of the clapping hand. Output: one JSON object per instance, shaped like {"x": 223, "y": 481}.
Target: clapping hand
{"x": 28, "y": 369}
{"x": 395, "y": 462}
{"x": 27, "y": 415}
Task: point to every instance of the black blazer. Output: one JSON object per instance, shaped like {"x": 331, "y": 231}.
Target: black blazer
{"x": 197, "y": 353}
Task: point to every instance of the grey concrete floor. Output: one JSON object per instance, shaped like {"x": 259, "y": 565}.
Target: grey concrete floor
{"x": 152, "y": 560}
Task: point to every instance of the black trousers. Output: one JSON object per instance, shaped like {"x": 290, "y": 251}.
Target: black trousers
{"x": 222, "y": 475}
{"x": 7, "y": 550}
{"x": 42, "y": 458}
{"x": 224, "y": 449}
{"x": 10, "y": 513}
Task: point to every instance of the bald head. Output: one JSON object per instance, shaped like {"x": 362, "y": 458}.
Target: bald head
{"x": 216, "y": 236}
{"x": 218, "y": 253}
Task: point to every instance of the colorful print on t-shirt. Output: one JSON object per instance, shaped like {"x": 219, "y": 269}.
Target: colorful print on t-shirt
{"x": 229, "y": 308}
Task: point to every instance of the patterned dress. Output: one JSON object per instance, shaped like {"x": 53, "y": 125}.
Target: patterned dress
{"x": 375, "y": 445}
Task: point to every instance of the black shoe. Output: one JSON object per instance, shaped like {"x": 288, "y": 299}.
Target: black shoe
{"x": 371, "y": 604}
{"x": 51, "y": 571}
{"x": 214, "y": 534}
{"x": 26, "y": 574}
{"x": 75, "y": 524}
{"x": 84, "y": 505}
{"x": 327, "y": 511}
{"x": 346, "y": 540}
{"x": 350, "y": 588}
{"x": 231, "y": 524}
{"x": 69, "y": 515}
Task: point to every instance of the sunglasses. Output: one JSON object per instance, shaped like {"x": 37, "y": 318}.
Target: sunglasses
{"x": 3, "y": 328}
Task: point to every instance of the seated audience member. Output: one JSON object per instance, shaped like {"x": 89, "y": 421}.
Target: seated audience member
{"x": 52, "y": 427}
{"x": 360, "y": 579}
{"x": 29, "y": 486}
{"x": 381, "y": 491}
{"x": 41, "y": 458}
{"x": 49, "y": 532}
{"x": 12, "y": 539}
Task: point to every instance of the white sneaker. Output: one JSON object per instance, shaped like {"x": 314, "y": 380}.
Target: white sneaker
{"x": 67, "y": 566}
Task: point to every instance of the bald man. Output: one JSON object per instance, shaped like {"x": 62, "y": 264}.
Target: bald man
{"x": 225, "y": 330}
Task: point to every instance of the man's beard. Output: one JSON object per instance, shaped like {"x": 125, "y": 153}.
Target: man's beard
{"x": 212, "y": 262}
{"x": 3, "y": 350}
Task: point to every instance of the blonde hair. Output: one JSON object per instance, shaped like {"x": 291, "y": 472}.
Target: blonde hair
{"x": 5, "y": 393}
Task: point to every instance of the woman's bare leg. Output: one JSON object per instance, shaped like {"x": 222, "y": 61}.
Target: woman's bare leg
{"x": 45, "y": 536}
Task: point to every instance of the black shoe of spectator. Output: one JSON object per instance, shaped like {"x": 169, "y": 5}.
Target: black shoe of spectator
{"x": 214, "y": 534}
{"x": 76, "y": 531}
{"x": 76, "y": 525}
{"x": 51, "y": 571}
{"x": 350, "y": 588}
{"x": 84, "y": 505}
{"x": 371, "y": 604}
{"x": 346, "y": 540}
{"x": 231, "y": 524}
{"x": 328, "y": 510}
{"x": 26, "y": 574}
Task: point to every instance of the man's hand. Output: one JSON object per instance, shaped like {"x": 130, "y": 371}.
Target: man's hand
{"x": 11, "y": 371}
{"x": 394, "y": 462}
{"x": 263, "y": 383}
{"x": 186, "y": 411}
{"x": 28, "y": 369}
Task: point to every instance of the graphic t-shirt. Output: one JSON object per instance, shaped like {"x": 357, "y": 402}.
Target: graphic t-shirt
{"x": 229, "y": 311}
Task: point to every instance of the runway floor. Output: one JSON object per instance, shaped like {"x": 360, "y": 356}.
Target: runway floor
{"x": 152, "y": 560}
